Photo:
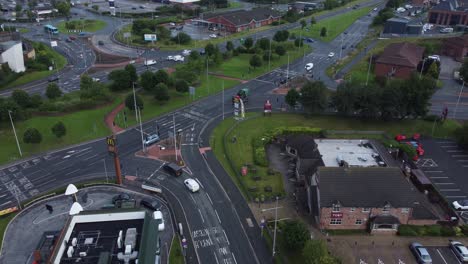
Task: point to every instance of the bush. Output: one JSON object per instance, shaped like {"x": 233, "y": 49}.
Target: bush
{"x": 407, "y": 230}
{"x": 464, "y": 229}
{"x": 433, "y": 230}
{"x": 275, "y": 23}
{"x": 260, "y": 156}
{"x": 447, "y": 231}
{"x": 32, "y": 136}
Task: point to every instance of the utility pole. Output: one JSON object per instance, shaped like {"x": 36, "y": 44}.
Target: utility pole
{"x": 368, "y": 69}
{"x": 422, "y": 67}
{"x": 175, "y": 137}
{"x": 112, "y": 149}
{"x": 287, "y": 72}
{"x": 134, "y": 101}
{"x": 269, "y": 57}
{"x": 276, "y": 222}
{"x": 141, "y": 132}
{"x": 341, "y": 47}
{"x": 14, "y": 132}
{"x": 458, "y": 101}
{"x": 222, "y": 100}
{"x": 207, "y": 86}
{"x": 105, "y": 170}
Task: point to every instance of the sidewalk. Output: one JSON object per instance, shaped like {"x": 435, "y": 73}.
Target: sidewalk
{"x": 110, "y": 117}
{"x": 227, "y": 77}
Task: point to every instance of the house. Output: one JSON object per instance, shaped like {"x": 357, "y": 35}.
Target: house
{"x": 304, "y": 149}
{"x": 456, "y": 47}
{"x": 44, "y": 9}
{"x": 240, "y": 20}
{"x": 399, "y": 60}
{"x": 375, "y": 198}
{"x": 449, "y": 13}
{"x": 11, "y": 52}
{"x": 28, "y": 51}
{"x": 401, "y": 25}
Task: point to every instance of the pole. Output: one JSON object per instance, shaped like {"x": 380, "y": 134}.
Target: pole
{"x": 14, "y": 132}
{"x": 175, "y": 138}
{"x": 287, "y": 72}
{"x": 134, "y": 101}
{"x": 269, "y": 57}
{"x": 368, "y": 69}
{"x": 223, "y": 99}
{"x": 141, "y": 132}
{"x": 276, "y": 221}
{"x": 341, "y": 47}
{"x": 105, "y": 170}
{"x": 207, "y": 86}
{"x": 433, "y": 127}
{"x": 422, "y": 67}
{"x": 458, "y": 101}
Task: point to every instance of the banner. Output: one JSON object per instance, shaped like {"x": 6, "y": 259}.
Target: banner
{"x": 150, "y": 37}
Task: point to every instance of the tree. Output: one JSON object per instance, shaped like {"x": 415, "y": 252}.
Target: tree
{"x": 63, "y": 8}
{"x": 303, "y": 23}
{"x": 292, "y": 97}
{"x": 312, "y": 21}
{"x": 95, "y": 7}
{"x": 21, "y": 98}
{"x": 464, "y": 70}
{"x": 53, "y": 91}
{"x": 132, "y": 72}
{"x": 161, "y": 76}
{"x": 461, "y": 134}
{"x": 313, "y": 251}
{"x": 314, "y": 96}
{"x": 263, "y": 43}
{"x": 130, "y": 102}
{"x": 148, "y": 81}
{"x": 121, "y": 80}
{"x": 86, "y": 82}
{"x": 229, "y": 45}
{"x": 210, "y": 49}
{"x": 161, "y": 93}
{"x": 281, "y": 35}
{"x": 280, "y": 50}
{"x": 295, "y": 234}
{"x": 36, "y": 100}
{"x": 323, "y": 32}
{"x": 181, "y": 86}
{"x": 344, "y": 99}
{"x": 32, "y": 136}
{"x": 255, "y": 61}
{"x": 182, "y": 38}
{"x": 59, "y": 129}
{"x": 18, "y": 8}
{"x": 433, "y": 70}
{"x": 248, "y": 43}
{"x": 367, "y": 101}
{"x": 298, "y": 42}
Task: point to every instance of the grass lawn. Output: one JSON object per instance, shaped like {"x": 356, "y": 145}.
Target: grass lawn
{"x": 238, "y": 66}
{"x": 241, "y": 152}
{"x": 24, "y": 30}
{"x": 87, "y": 25}
{"x": 60, "y": 60}
{"x": 175, "y": 256}
{"x": 4, "y": 220}
{"x": 154, "y": 108}
{"x": 335, "y": 25}
{"x": 81, "y": 126}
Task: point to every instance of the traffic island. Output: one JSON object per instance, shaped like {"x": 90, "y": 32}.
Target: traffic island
{"x": 163, "y": 151}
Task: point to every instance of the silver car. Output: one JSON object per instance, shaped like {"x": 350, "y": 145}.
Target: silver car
{"x": 459, "y": 250}
{"x": 421, "y": 253}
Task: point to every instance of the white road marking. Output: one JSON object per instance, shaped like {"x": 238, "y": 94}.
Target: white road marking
{"x": 454, "y": 146}
{"x": 454, "y": 150}
{"x": 216, "y": 257}
{"x": 209, "y": 198}
{"x": 5, "y": 203}
{"x": 438, "y": 177}
{"x": 234, "y": 257}
{"x": 444, "y": 183}
{"x": 90, "y": 157}
{"x": 152, "y": 174}
{"x": 193, "y": 199}
{"x": 218, "y": 216}
{"x": 199, "y": 183}
{"x": 450, "y": 190}
{"x": 460, "y": 156}
{"x": 227, "y": 240}
{"x": 72, "y": 172}
{"x": 433, "y": 171}
{"x": 456, "y": 196}
{"x": 203, "y": 220}
{"x": 441, "y": 256}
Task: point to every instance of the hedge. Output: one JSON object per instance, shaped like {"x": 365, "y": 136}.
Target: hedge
{"x": 429, "y": 230}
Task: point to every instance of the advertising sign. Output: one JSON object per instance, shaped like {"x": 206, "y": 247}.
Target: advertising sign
{"x": 267, "y": 107}
{"x": 150, "y": 37}
{"x": 111, "y": 3}
{"x": 127, "y": 34}
{"x": 336, "y": 215}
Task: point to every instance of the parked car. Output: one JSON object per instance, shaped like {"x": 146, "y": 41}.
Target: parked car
{"x": 186, "y": 52}
{"x": 310, "y": 40}
{"x": 120, "y": 197}
{"x": 170, "y": 57}
{"x": 459, "y": 250}
{"x": 101, "y": 43}
{"x": 460, "y": 205}
{"x": 53, "y": 78}
{"x": 72, "y": 37}
{"x": 446, "y": 30}
{"x": 331, "y": 54}
{"x": 192, "y": 185}
{"x": 158, "y": 216}
{"x": 173, "y": 169}
{"x": 213, "y": 36}
{"x": 178, "y": 58}
{"x": 151, "y": 139}
{"x": 96, "y": 79}
{"x": 150, "y": 62}
{"x": 309, "y": 66}
{"x": 152, "y": 205}
{"x": 434, "y": 57}
{"x": 421, "y": 253}
{"x": 68, "y": 40}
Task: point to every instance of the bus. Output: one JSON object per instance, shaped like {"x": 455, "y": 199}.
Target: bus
{"x": 51, "y": 29}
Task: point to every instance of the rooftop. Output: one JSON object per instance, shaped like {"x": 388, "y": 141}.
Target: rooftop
{"x": 404, "y": 54}
{"x": 356, "y": 153}
{"x": 242, "y": 17}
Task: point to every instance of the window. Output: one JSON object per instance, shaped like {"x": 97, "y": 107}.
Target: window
{"x": 335, "y": 221}
{"x": 352, "y": 209}
{"x": 358, "y": 222}
{"x": 336, "y": 208}
{"x": 386, "y": 209}
{"x": 405, "y": 210}
{"x": 365, "y": 210}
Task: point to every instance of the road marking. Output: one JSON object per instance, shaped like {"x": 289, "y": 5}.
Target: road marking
{"x": 84, "y": 153}
{"x": 3, "y": 196}
{"x": 227, "y": 240}
{"x": 444, "y": 183}
{"x": 203, "y": 220}
{"x": 433, "y": 171}
{"x": 58, "y": 163}
{"x": 152, "y": 174}
{"x": 216, "y": 257}
{"x": 460, "y": 156}
{"x": 31, "y": 173}
{"x": 5, "y": 203}
{"x": 462, "y": 160}
{"x": 454, "y": 150}
{"x": 193, "y": 199}
{"x": 441, "y": 256}
{"x": 72, "y": 171}
{"x": 446, "y": 142}
{"x": 458, "y": 261}
{"x": 456, "y": 196}
{"x": 209, "y": 198}
{"x": 218, "y": 216}
{"x": 438, "y": 177}
{"x": 449, "y": 146}
{"x": 90, "y": 157}
{"x": 465, "y": 166}
{"x": 199, "y": 183}
{"x": 44, "y": 183}
{"x": 234, "y": 257}
{"x": 449, "y": 190}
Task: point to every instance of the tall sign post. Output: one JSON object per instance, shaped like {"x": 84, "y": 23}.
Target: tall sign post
{"x": 112, "y": 148}
{"x": 267, "y": 108}
{"x": 239, "y": 112}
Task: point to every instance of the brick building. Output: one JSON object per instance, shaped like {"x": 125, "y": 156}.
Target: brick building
{"x": 456, "y": 47}
{"x": 240, "y": 20}
{"x": 449, "y": 13}
{"x": 399, "y": 60}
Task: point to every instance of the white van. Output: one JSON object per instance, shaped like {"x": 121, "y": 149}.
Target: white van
{"x": 150, "y": 62}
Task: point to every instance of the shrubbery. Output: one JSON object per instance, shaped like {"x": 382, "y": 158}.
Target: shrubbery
{"x": 429, "y": 230}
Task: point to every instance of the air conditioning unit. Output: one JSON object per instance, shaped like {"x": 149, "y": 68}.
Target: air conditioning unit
{"x": 83, "y": 254}
{"x": 70, "y": 251}
{"x": 74, "y": 240}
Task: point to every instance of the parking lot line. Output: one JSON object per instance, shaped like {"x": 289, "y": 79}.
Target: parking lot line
{"x": 455, "y": 150}
{"x": 454, "y": 146}
{"x": 440, "y": 254}
{"x": 433, "y": 171}
{"x": 462, "y": 160}
{"x": 460, "y": 156}
{"x": 450, "y": 190}
{"x": 444, "y": 183}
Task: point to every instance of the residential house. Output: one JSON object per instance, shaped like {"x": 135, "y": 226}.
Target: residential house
{"x": 449, "y": 13}
{"x": 240, "y": 20}
{"x": 456, "y": 47}
{"x": 399, "y": 60}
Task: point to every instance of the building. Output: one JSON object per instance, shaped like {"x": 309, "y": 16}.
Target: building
{"x": 399, "y": 60}
{"x": 456, "y": 47}
{"x": 108, "y": 236}
{"x": 29, "y": 53}
{"x": 305, "y": 6}
{"x": 44, "y": 9}
{"x": 240, "y": 20}
{"x": 183, "y": 1}
{"x": 449, "y": 13}
{"x": 402, "y": 26}
{"x": 11, "y": 52}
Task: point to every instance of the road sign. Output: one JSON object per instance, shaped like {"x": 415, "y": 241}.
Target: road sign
{"x": 111, "y": 145}
{"x": 150, "y": 37}
{"x": 127, "y": 34}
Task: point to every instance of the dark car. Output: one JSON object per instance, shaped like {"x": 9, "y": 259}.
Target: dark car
{"x": 202, "y": 52}
{"x": 120, "y": 197}
{"x": 310, "y": 40}
{"x": 68, "y": 40}
{"x": 72, "y": 37}
{"x": 283, "y": 81}
{"x": 173, "y": 169}
{"x": 53, "y": 78}
{"x": 152, "y": 205}
{"x": 343, "y": 47}
{"x": 101, "y": 43}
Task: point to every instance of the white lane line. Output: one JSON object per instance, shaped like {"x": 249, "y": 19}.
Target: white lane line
{"x": 38, "y": 178}
{"x": 454, "y": 146}
{"x": 227, "y": 240}
{"x": 58, "y": 163}
{"x": 5, "y": 203}
{"x": 460, "y": 156}
{"x": 216, "y": 257}
{"x": 31, "y": 173}
{"x": 465, "y": 166}
{"x": 444, "y": 183}
{"x": 152, "y": 174}
{"x": 209, "y": 198}
{"x": 193, "y": 199}
{"x": 1, "y": 196}
{"x": 203, "y": 219}
{"x": 433, "y": 171}
{"x": 450, "y": 151}
{"x": 441, "y": 256}
{"x": 72, "y": 171}
{"x": 199, "y": 183}
{"x": 446, "y": 142}
{"x": 462, "y": 160}
{"x": 44, "y": 183}
{"x": 234, "y": 257}
{"x": 458, "y": 261}
{"x": 90, "y": 157}
{"x": 456, "y": 196}
{"x": 438, "y": 177}
{"x": 84, "y": 153}
{"x": 218, "y": 216}
{"x": 449, "y": 190}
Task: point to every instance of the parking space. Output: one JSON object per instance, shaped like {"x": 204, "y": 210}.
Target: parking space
{"x": 442, "y": 255}
{"x": 387, "y": 255}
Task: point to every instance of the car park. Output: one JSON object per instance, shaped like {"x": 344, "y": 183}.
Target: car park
{"x": 151, "y": 139}
{"x": 460, "y": 205}
{"x": 152, "y": 205}
{"x": 331, "y": 54}
{"x": 460, "y": 251}
{"x": 192, "y": 185}
{"x": 158, "y": 216}
{"x": 173, "y": 169}
{"x": 421, "y": 254}
{"x": 120, "y": 197}
{"x": 309, "y": 66}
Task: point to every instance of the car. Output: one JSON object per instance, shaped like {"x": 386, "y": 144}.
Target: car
{"x": 346, "y": 32}
{"x": 331, "y": 54}
{"x": 172, "y": 24}
{"x": 152, "y": 205}
{"x": 120, "y": 197}
{"x": 170, "y": 57}
{"x": 68, "y": 40}
{"x": 213, "y": 36}
{"x": 101, "y": 43}
{"x": 202, "y": 52}
{"x": 151, "y": 139}
{"x": 158, "y": 216}
{"x": 459, "y": 250}
{"x": 72, "y": 37}
{"x": 283, "y": 80}
{"x": 421, "y": 253}
{"x": 53, "y": 78}
{"x": 192, "y": 185}
{"x": 186, "y": 52}
{"x": 96, "y": 79}
{"x": 178, "y": 58}
{"x": 173, "y": 169}
{"x": 149, "y": 62}
{"x": 460, "y": 205}
{"x": 309, "y": 66}
{"x": 375, "y": 9}
{"x": 134, "y": 8}
{"x": 434, "y": 57}
{"x": 310, "y": 40}
{"x": 142, "y": 7}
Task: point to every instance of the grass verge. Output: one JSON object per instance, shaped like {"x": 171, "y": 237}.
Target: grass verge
{"x": 86, "y": 25}
{"x": 175, "y": 256}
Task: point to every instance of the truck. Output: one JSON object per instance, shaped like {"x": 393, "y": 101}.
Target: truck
{"x": 243, "y": 94}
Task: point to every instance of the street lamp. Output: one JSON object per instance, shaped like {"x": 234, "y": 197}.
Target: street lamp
{"x": 14, "y": 132}
{"x": 458, "y": 100}
{"x": 422, "y": 67}
{"x": 276, "y": 223}
{"x": 75, "y": 209}
{"x": 71, "y": 190}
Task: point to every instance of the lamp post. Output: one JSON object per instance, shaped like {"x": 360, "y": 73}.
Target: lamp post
{"x": 368, "y": 69}
{"x": 276, "y": 223}
{"x": 458, "y": 100}
{"x": 14, "y": 132}
{"x": 422, "y": 68}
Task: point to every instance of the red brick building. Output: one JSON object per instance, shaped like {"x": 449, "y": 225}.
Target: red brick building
{"x": 449, "y": 13}
{"x": 240, "y": 20}
{"x": 399, "y": 60}
{"x": 456, "y": 48}
{"x": 375, "y": 198}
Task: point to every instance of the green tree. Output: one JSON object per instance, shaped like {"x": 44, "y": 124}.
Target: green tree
{"x": 36, "y": 100}
{"x": 298, "y": 42}
{"x": 148, "y": 81}
{"x": 433, "y": 70}
{"x": 314, "y": 97}
{"x": 263, "y": 43}
{"x": 210, "y": 49}
{"x": 323, "y": 32}
{"x": 281, "y": 35}
{"x": 345, "y": 97}
{"x": 181, "y": 86}
{"x": 86, "y": 82}
{"x": 280, "y": 50}
{"x": 161, "y": 76}
{"x": 464, "y": 70}
{"x": 130, "y": 102}
{"x": 53, "y": 91}
{"x": 32, "y": 136}
{"x": 182, "y": 38}
{"x": 314, "y": 250}
{"x": 367, "y": 102}
{"x": 312, "y": 21}
{"x": 229, "y": 45}
{"x": 63, "y": 8}
{"x": 292, "y": 97}
{"x": 161, "y": 93}
{"x": 131, "y": 72}
{"x": 18, "y": 8}
{"x": 248, "y": 43}
{"x": 255, "y": 61}
{"x": 461, "y": 134}
{"x": 303, "y": 23}
{"x": 21, "y": 97}
{"x": 392, "y": 102}
{"x": 295, "y": 234}
{"x": 95, "y": 7}
{"x": 59, "y": 129}
{"x": 121, "y": 80}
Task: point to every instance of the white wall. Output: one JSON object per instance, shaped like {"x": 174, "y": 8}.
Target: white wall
{"x": 14, "y": 57}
